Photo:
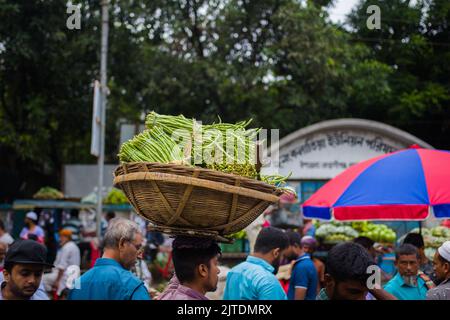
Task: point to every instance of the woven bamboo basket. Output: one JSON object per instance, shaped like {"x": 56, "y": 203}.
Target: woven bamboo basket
{"x": 184, "y": 200}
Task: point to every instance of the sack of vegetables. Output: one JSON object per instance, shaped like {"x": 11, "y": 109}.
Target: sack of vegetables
{"x": 189, "y": 178}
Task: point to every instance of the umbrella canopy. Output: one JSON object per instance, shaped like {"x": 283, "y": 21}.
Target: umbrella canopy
{"x": 404, "y": 185}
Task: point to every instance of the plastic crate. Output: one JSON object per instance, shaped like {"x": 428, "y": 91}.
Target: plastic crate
{"x": 236, "y": 246}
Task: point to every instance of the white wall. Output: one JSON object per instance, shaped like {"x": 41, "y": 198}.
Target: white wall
{"x": 81, "y": 179}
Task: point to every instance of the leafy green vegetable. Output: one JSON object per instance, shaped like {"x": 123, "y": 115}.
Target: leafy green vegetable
{"x": 48, "y": 193}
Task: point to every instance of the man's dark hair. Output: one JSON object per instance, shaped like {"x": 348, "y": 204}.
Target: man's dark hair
{"x": 9, "y": 266}
{"x": 365, "y": 242}
{"x": 33, "y": 237}
{"x": 271, "y": 238}
{"x": 2, "y": 225}
{"x": 406, "y": 250}
{"x": 110, "y": 215}
{"x": 294, "y": 238}
{"x": 415, "y": 239}
{"x": 348, "y": 261}
{"x": 189, "y": 252}
{"x": 74, "y": 213}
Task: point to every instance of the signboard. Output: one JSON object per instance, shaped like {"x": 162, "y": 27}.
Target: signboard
{"x": 325, "y": 154}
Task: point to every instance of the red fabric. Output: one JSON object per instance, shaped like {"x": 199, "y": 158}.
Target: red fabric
{"x": 95, "y": 254}
{"x": 436, "y": 167}
{"x": 332, "y": 190}
{"x": 446, "y": 223}
{"x": 285, "y": 285}
{"x": 385, "y": 212}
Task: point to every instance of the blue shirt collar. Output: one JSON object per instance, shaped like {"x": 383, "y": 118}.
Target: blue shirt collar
{"x": 399, "y": 280}
{"x": 260, "y": 262}
{"x": 107, "y": 262}
{"x": 303, "y": 256}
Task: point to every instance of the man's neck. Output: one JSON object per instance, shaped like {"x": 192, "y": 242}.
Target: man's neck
{"x": 2, "y": 233}
{"x": 111, "y": 254}
{"x": 195, "y": 286}
{"x": 262, "y": 256}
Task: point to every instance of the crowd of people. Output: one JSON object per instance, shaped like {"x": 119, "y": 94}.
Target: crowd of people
{"x": 118, "y": 274}
{"x": 54, "y": 282}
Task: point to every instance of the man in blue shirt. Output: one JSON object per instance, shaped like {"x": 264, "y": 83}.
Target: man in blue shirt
{"x": 408, "y": 283}
{"x": 110, "y": 278}
{"x": 254, "y": 278}
{"x": 303, "y": 282}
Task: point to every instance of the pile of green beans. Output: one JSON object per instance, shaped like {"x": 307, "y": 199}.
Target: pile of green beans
{"x": 157, "y": 143}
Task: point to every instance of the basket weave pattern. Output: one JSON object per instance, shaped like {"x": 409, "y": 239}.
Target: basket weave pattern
{"x": 192, "y": 198}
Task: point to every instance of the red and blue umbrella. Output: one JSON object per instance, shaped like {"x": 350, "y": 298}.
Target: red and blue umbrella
{"x": 409, "y": 184}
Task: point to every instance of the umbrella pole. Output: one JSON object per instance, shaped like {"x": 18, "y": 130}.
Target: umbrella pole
{"x": 420, "y": 227}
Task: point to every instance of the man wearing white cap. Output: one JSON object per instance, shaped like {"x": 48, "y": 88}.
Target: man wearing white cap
{"x": 31, "y": 230}
{"x": 441, "y": 264}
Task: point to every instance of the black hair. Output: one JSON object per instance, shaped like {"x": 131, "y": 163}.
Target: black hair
{"x": 32, "y": 236}
{"x": 415, "y": 239}
{"x": 365, "y": 242}
{"x": 8, "y": 266}
{"x": 294, "y": 238}
{"x": 190, "y": 252}
{"x": 349, "y": 261}
{"x": 110, "y": 215}
{"x": 271, "y": 238}
{"x": 2, "y": 225}
{"x": 74, "y": 213}
{"x": 406, "y": 250}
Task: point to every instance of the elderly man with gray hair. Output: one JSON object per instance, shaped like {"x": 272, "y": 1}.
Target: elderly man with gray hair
{"x": 110, "y": 278}
{"x": 441, "y": 264}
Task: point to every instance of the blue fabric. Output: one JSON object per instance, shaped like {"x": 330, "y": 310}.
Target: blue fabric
{"x": 387, "y": 263}
{"x": 253, "y": 279}
{"x": 108, "y": 280}
{"x": 402, "y": 291}
{"x": 377, "y": 182}
{"x": 442, "y": 210}
{"x": 317, "y": 213}
{"x": 304, "y": 275}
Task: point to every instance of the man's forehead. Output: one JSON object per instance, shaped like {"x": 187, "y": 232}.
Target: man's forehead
{"x": 408, "y": 257}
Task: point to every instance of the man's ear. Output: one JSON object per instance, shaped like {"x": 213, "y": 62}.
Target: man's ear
{"x": 203, "y": 270}
{"x": 447, "y": 267}
{"x": 276, "y": 252}
{"x": 6, "y": 275}
{"x": 121, "y": 243}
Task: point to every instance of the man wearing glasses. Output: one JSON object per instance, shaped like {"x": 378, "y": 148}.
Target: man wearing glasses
{"x": 110, "y": 278}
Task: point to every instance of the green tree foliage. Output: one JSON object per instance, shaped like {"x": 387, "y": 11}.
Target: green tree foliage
{"x": 414, "y": 40}
{"x": 280, "y": 62}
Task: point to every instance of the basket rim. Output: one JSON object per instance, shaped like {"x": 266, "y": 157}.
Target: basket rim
{"x": 242, "y": 179}
{"x": 192, "y": 168}
{"x": 203, "y": 183}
